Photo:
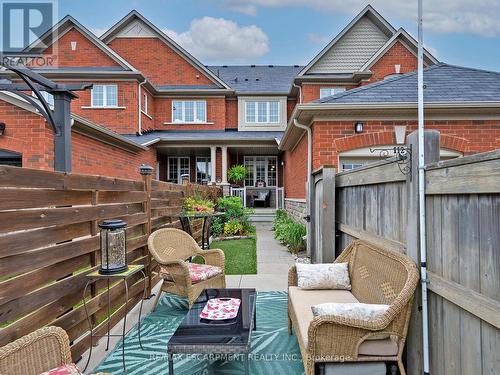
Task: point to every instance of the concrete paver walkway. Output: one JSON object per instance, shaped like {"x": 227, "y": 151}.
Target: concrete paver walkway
{"x": 273, "y": 261}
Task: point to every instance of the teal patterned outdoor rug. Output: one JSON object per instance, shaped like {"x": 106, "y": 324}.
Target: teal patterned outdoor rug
{"x": 273, "y": 351}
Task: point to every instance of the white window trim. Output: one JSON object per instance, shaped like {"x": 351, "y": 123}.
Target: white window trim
{"x": 243, "y": 125}
{"x": 207, "y": 164}
{"x": 339, "y": 88}
{"x": 195, "y": 107}
{"x": 104, "y": 97}
{"x": 179, "y": 180}
{"x": 256, "y": 107}
{"x": 145, "y": 105}
{"x": 245, "y": 158}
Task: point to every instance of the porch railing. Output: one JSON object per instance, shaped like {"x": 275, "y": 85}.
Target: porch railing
{"x": 280, "y": 198}
{"x": 240, "y": 192}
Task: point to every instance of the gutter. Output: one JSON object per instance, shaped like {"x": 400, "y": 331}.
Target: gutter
{"x": 300, "y": 91}
{"x": 139, "y": 102}
{"x": 310, "y": 194}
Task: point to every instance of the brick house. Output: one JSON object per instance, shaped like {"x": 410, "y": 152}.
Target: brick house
{"x": 152, "y": 102}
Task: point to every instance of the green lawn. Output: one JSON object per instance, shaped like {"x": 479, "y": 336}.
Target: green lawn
{"x": 241, "y": 255}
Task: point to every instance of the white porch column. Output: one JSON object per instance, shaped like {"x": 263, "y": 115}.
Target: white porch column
{"x": 224, "y": 164}
{"x": 213, "y": 162}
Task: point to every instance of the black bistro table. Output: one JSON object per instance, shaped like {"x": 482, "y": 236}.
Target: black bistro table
{"x": 200, "y": 336}
{"x": 186, "y": 222}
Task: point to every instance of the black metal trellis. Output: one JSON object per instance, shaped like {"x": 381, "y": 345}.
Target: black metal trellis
{"x": 58, "y": 118}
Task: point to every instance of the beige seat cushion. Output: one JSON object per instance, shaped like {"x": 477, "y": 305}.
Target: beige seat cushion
{"x": 383, "y": 348}
{"x": 301, "y": 302}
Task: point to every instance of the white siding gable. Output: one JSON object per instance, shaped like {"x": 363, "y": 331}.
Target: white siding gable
{"x": 353, "y": 50}
{"x": 136, "y": 29}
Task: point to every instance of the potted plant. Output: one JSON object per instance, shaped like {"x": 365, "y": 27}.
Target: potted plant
{"x": 237, "y": 173}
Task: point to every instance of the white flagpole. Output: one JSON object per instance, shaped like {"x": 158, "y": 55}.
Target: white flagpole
{"x": 421, "y": 191}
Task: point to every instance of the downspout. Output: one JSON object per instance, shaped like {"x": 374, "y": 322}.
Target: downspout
{"x": 300, "y": 91}
{"x": 421, "y": 191}
{"x": 139, "y": 95}
{"x": 310, "y": 195}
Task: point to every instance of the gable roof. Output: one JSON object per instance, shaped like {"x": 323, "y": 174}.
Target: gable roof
{"x": 68, "y": 23}
{"x": 154, "y": 31}
{"x": 375, "y": 32}
{"x": 443, "y": 84}
{"x": 408, "y": 41}
{"x": 258, "y": 79}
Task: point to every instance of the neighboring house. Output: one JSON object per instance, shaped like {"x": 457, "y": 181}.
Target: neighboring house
{"x": 152, "y": 102}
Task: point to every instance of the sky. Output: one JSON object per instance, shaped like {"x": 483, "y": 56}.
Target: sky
{"x": 287, "y": 32}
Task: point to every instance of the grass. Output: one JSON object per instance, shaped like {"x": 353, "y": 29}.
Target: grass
{"x": 241, "y": 255}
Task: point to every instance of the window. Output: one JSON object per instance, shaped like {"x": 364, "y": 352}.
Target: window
{"x": 104, "y": 96}
{"x": 261, "y": 168}
{"x": 145, "y": 105}
{"x": 177, "y": 166}
{"x": 10, "y": 158}
{"x": 350, "y": 166}
{"x": 189, "y": 111}
{"x": 203, "y": 170}
{"x": 329, "y": 91}
{"x": 262, "y": 111}
{"x": 49, "y": 98}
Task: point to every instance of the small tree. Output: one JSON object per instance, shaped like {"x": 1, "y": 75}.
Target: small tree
{"x": 237, "y": 173}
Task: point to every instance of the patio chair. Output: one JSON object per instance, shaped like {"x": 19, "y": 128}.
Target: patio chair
{"x": 40, "y": 351}
{"x": 172, "y": 248}
{"x": 262, "y": 198}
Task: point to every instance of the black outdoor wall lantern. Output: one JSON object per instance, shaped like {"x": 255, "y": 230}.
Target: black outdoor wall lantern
{"x": 2, "y": 128}
{"x": 113, "y": 247}
{"x": 358, "y": 127}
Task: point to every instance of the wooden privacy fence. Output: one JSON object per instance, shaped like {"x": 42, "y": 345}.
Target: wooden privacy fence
{"x": 379, "y": 204}
{"x": 49, "y": 241}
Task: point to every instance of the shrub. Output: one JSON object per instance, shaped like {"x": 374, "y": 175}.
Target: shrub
{"x": 289, "y": 232}
{"x": 236, "y": 173}
{"x": 194, "y": 205}
{"x": 233, "y": 210}
{"x": 233, "y": 228}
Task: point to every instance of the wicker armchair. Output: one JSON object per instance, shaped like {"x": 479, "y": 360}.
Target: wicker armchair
{"x": 171, "y": 248}
{"x": 33, "y": 354}
{"x": 378, "y": 276}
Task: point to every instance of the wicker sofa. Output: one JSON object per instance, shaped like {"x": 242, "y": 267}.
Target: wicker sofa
{"x": 378, "y": 276}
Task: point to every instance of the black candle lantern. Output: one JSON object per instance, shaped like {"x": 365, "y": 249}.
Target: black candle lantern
{"x": 113, "y": 247}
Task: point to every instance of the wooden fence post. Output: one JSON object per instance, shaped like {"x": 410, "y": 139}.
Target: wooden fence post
{"x": 323, "y": 216}
{"x": 414, "y": 355}
{"x": 146, "y": 171}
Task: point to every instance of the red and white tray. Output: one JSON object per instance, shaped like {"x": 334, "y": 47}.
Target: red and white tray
{"x": 221, "y": 309}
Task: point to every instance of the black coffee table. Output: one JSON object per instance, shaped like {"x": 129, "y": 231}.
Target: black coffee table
{"x": 199, "y": 336}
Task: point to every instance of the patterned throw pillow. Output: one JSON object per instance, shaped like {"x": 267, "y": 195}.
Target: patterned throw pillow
{"x": 360, "y": 311}
{"x": 69, "y": 369}
{"x": 323, "y": 276}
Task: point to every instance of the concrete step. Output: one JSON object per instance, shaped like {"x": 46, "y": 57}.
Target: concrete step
{"x": 261, "y": 218}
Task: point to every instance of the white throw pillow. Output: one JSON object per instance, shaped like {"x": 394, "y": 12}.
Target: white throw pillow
{"x": 361, "y": 311}
{"x": 323, "y": 276}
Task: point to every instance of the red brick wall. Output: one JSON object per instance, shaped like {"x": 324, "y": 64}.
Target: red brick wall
{"x": 397, "y": 54}
{"x": 86, "y": 53}
{"x": 232, "y": 113}
{"x": 29, "y": 134}
{"x": 295, "y": 170}
{"x": 216, "y": 114}
{"x": 161, "y": 64}
{"x": 466, "y": 136}
{"x": 121, "y": 120}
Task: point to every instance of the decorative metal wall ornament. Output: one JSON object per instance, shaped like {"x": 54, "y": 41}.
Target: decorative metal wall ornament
{"x": 402, "y": 155}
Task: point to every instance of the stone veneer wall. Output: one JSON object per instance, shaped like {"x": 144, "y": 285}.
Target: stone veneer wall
{"x": 296, "y": 208}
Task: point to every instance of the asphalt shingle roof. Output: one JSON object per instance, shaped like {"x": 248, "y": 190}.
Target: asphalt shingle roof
{"x": 186, "y": 135}
{"x": 258, "y": 78}
{"x": 443, "y": 83}
{"x": 186, "y": 87}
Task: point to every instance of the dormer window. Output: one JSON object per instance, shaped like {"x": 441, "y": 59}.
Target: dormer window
{"x": 329, "y": 91}
{"x": 262, "y": 112}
